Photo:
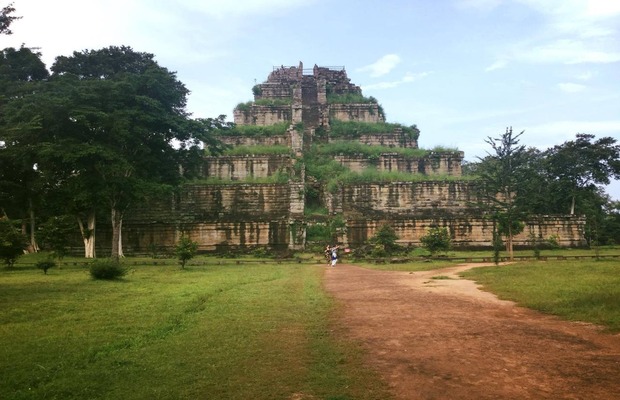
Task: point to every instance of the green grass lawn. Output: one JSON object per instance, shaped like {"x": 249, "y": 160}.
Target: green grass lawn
{"x": 229, "y": 329}
{"x": 254, "y": 331}
{"x": 583, "y": 290}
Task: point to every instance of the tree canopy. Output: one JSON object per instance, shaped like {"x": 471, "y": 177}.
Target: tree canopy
{"x": 6, "y": 19}
{"x": 106, "y": 129}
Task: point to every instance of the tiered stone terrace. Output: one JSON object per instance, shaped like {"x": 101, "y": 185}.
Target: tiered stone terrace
{"x": 234, "y": 213}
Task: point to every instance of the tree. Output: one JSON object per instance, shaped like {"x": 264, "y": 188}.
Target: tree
{"x": 124, "y": 113}
{"x": 610, "y": 226}
{"x": 385, "y": 238}
{"x": 12, "y": 242}
{"x": 185, "y": 250}
{"x": 6, "y": 19}
{"x": 56, "y": 234}
{"x": 578, "y": 166}
{"x": 501, "y": 173}
{"x": 21, "y": 76}
{"x": 436, "y": 240}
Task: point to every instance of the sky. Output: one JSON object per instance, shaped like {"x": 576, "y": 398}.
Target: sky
{"x": 461, "y": 70}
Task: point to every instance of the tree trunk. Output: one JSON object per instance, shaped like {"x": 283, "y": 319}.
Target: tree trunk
{"x": 120, "y": 238}
{"x": 34, "y": 247}
{"x": 117, "y": 223}
{"x": 88, "y": 235}
{"x": 509, "y": 247}
{"x": 572, "y": 206}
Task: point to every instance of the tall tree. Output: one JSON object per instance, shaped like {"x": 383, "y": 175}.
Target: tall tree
{"x": 21, "y": 75}
{"x": 126, "y": 113}
{"x": 576, "y": 167}
{"x": 501, "y": 172}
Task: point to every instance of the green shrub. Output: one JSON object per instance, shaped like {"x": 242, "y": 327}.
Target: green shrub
{"x": 355, "y": 129}
{"x": 185, "y": 250}
{"x": 56, "y": 233}
{"x": 256, "y": 130}
{"x": 350, "y": 98}
{"x": 436, "y": 239}
{"x": 45, "y": 265}
{"x": 12, "y": 242}
{"x": 357, "y": 148}
{"x": 384, "y": 241}
{"x": 107, "y": 269}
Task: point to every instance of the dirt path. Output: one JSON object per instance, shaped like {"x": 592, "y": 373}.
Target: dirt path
{"x": 445, "y": 339}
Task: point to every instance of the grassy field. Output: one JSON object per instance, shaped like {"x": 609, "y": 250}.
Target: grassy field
{"x": 255, "y": 331}
{"x": 583, "y": 290}
{"x": 241, "y": 328}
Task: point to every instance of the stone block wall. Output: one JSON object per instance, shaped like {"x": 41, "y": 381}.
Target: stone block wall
{"x": 263, "y": 115}
{"x": 409, "y": 198}
{"x": 280, "y": 140}
{"x": 244, "y": 167}
{"x": 471, "y": 231}
{"x": 274, "y": 90}
{"x": 356, "y": 112}
{"x": 217, "y": 217}
{"x": 390, "y": 140}
{"x": 435, "y": 164}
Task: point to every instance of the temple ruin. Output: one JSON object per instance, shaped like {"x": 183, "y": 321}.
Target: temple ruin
{"x": 239, "y": 203}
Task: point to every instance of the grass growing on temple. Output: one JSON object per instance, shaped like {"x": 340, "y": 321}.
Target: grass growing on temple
{"x": 258, "y": 331}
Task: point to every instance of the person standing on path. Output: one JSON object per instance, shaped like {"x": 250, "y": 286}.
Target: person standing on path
{"x": 334, "y": 256}
{"x": 328, "y": 255}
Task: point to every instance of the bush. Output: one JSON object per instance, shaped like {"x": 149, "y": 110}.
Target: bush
{"x": 45, "y": 265}
{"x": 107, "y": 269}
{"x": 384, "y": 242}
{"x": 437, "y": 239}
{"x": 56, "y": 235}
{"x": 12, "y": 243}
{"x": 185, "y": 250}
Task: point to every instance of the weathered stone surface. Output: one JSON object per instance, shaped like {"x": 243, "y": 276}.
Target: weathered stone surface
{"x": 281, "y": 140}
{"x": 386, "y": 139}
{"x": 428, "y": 198}
{"x": 245, "y": 167}
{"x": 434, "y": 164}
{"x": 218, "y": 217}
{"x": 233, "y": 215}
{"x": 469, "y": 231}
{"x": 356, "y": 112}
{"x": 263, "y": 115}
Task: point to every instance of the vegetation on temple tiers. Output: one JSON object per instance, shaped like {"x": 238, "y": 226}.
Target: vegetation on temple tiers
{"x": 264, "y": 102}
{"x": 355, "y": 129}
{"x": 256, "y": 130}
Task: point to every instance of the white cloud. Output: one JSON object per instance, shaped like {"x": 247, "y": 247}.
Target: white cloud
{"x": 484, "y": 5}
{"x": 552, "y": 133}
{"x": 603, "y": 8}
{"x": 567, "y": 51}
{"x": 408, "y": 78}
{"x": 225, "y": 9}
{"x": 586, "y": 76}
{"x": 570, "y": 32}
{"x": 569, "y": 87}
{"x": 499, "y": 64}
{"x": 382, "y": 66}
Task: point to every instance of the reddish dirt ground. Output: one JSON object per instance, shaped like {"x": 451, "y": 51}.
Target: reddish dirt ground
{"x": 446, "y": 339}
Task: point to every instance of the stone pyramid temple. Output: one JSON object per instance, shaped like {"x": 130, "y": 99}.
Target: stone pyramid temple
{"x": 311, "y": 161}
